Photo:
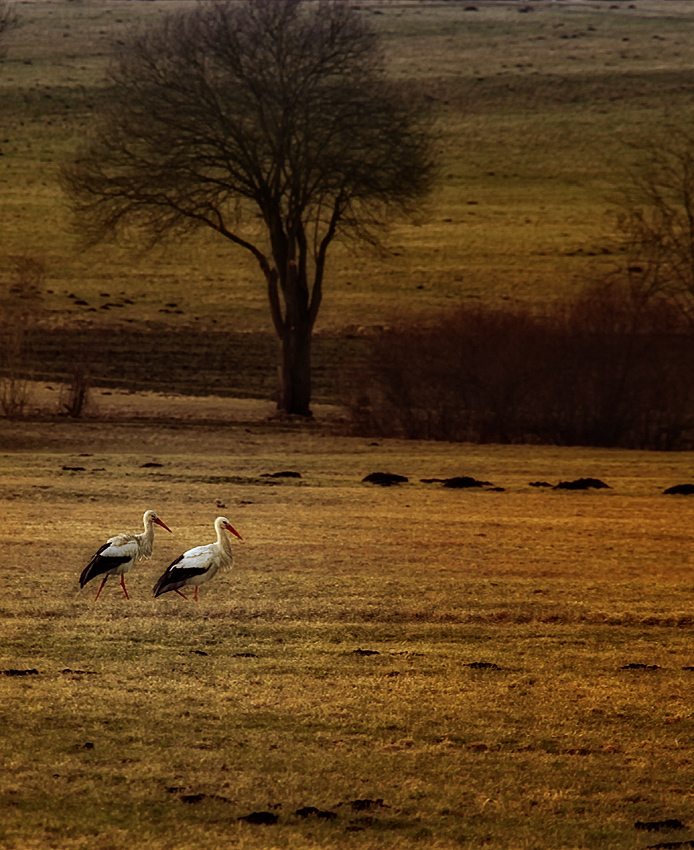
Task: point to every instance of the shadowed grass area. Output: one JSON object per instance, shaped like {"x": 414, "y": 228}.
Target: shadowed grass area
{"x": 507, "y": 669}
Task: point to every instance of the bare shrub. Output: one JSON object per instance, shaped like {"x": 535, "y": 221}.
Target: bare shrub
{"x": 15, "y": 390}
{"x": 20, "y": 301}
{"x": 656, "y": 203}
{"x": 618, "y": 370}
{"x": 610, "y": 367}
{"x": 74, "y": 400}
{"x": 452, "y": 379}
{"x": 8, "y": 20}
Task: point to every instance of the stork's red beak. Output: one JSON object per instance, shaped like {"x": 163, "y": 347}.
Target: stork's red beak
{"x": 163, "y": 525}
{"x": 233, "y": 531}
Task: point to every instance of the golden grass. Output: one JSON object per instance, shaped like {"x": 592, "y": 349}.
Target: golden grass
{"x": 558, "y": 747}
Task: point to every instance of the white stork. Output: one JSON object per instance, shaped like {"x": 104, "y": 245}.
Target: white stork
{"x": 201, "y": 564}
{"x": 119, "y": 553}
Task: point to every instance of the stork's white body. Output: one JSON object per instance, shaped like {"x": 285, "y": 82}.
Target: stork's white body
{"x": 119, "y": 553}
{"x": 199, "y": 565}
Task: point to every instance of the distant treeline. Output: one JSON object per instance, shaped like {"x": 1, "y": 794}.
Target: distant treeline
{"x": 608, "y": 368}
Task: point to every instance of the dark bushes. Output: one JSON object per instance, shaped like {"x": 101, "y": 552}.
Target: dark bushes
{"x": 609, "y": 368}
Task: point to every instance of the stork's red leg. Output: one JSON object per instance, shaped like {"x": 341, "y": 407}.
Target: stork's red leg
{"x": 122, "y": 584}
{"x": 180, "y": 594}
{"x": 195, "y": 598}
{"x": 101, "y": 587}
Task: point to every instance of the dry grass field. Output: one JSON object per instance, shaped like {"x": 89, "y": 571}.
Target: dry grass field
{"x": 442, "y": 668}
{"x": 385, "y": 667}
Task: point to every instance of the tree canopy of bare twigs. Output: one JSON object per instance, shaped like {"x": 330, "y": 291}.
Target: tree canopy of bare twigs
{"x": 272, "y": 122}
{"x": 658, "y": 219}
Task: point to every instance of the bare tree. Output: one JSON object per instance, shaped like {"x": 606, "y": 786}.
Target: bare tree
{"x": 657, "y": 223}
{"x": 273, "y": 123}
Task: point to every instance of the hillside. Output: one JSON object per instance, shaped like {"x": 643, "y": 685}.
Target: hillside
{"x": 533, "y": 101}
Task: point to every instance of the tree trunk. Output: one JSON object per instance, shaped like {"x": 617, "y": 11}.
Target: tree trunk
{"x": 295, "y": 371}
{"x": 294, "y": 329}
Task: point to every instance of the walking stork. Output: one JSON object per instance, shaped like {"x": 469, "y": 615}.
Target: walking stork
{"x": 119, "y": 553}
{"x": 201, "y": 564}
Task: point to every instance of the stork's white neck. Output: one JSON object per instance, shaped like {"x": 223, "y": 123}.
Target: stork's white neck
{"x": 146, "y": 540}
{"x": 224, "y": 545}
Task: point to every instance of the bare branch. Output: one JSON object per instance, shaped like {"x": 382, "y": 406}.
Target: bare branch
{"x": 658, "y": 218}
{"x": 255, "y": 106}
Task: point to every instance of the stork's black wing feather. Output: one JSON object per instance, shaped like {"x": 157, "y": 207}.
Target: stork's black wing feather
{"x": 176, "y": 576}
{"x": 101, "y": 564}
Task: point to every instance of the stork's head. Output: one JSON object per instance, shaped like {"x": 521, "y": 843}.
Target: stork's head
{"x": 223, "y": 522}
{"x": 151, "y": 517}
